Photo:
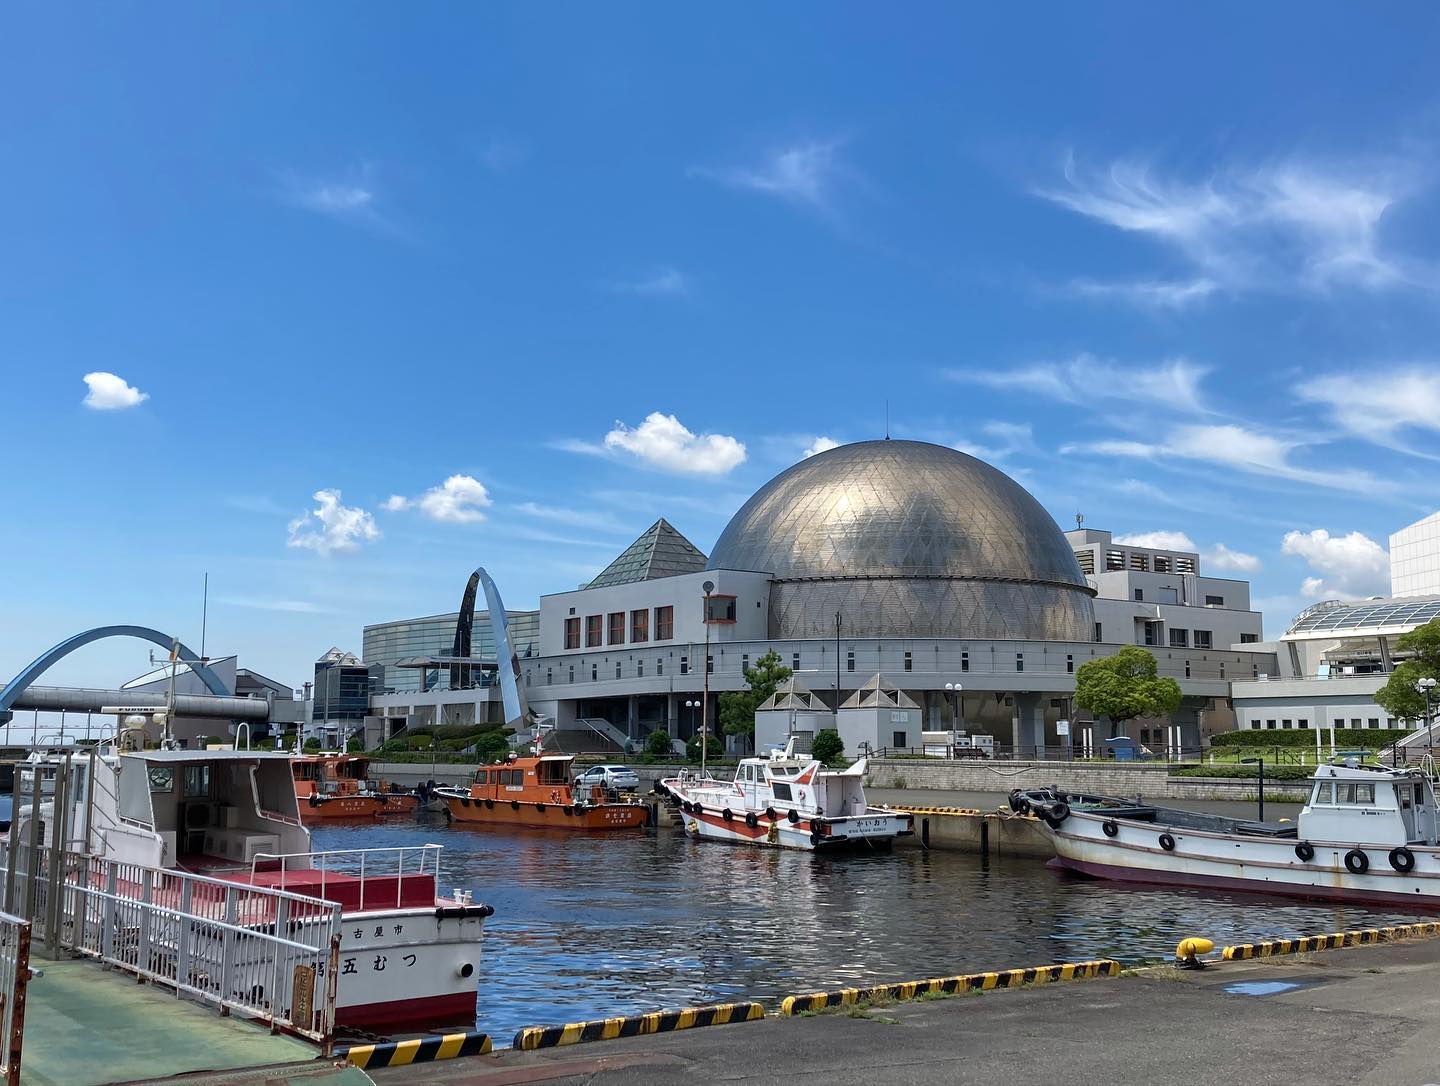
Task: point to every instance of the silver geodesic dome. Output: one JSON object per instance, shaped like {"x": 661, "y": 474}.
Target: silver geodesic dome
{"x": 907, "y": 539}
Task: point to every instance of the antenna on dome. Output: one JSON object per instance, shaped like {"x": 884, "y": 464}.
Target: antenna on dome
{"x": 887, "y": 420}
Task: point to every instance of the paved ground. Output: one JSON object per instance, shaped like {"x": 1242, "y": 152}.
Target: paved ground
{"x": 1360, "y": 1017}
{"x": 84, "y": 1025}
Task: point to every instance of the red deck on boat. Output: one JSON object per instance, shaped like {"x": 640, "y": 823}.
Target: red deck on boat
{"x": 350, "y": 892}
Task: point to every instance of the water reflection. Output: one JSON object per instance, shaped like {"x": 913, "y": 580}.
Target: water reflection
{"x": 592, "y": 925}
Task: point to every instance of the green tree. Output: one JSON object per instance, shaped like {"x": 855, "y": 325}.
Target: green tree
{"x": 312, "y": 746}
{"x": 713, "y": 748}
{"x": 737, "y": 707}
{"x": 1125, "y": 686}
{"x": 827, "y": 746}
{"x": 659, "y": 746}
{"x": 492, "y": 745}
{"x": 1398, "y": 696}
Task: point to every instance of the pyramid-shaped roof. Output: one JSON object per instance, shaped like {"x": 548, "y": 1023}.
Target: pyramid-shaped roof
{"x": 879, "y": 694}
{"x": 791, "y": 694}
{"x": 660, "y": 552}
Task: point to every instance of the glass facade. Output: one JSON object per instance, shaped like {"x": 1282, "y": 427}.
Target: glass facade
{"x": 342, "y": 691}
{"x": 387, "y": 642}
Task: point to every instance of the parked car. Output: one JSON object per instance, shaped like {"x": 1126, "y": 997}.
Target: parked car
{"x": 613, "y": 778}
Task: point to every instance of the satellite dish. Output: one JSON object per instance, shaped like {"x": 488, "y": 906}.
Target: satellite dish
{"x": 708, "y": 586}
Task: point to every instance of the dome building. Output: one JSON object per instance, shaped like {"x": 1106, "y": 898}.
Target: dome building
{"x": 907, "y": 539}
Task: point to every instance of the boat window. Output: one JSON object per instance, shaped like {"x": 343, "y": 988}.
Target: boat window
{"x": 517, "y": 776}
{"x": 197, "y": 781}
{"x": 1419, "y": 795}
{"x": 1322, "y": 794}
{"x": 1403, "y": 794}
{"x": 781, "y": 789}
{"x": 1355, "y": 793}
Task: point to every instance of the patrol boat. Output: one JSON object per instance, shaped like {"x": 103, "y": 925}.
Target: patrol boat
{"x": 1366, "y": 834}
{"x": 785, "y": 801}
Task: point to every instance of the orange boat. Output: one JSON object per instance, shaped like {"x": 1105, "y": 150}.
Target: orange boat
{"x": 339, "y": 786}
{"x": 538, "y": 791}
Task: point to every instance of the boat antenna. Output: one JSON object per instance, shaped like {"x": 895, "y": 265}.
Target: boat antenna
{"x": 887, "y": 420}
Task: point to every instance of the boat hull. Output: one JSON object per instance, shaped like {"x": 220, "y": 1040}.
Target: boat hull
{"x": 870, "y": 831}
{"x": 534, "y": 815}
{"x": 1244, "y": 863}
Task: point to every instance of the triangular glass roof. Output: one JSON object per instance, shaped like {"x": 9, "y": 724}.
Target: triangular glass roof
{"x": 660, "y": 552}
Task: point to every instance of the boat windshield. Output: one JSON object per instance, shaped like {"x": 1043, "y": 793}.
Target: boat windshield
{"x": 548, "y": 772}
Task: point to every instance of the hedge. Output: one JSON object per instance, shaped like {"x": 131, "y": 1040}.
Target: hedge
{"x": 1368, "y": 738}
{"x": 1272, "y": 772}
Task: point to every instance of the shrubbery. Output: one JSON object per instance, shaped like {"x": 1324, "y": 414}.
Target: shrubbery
{"x": 1345, "y": 738}
{"x": 1234, "y": 770}
{"x": 659, "y": 747}
{"x": 713, "y": 748}
{"x": 828, "y": 747}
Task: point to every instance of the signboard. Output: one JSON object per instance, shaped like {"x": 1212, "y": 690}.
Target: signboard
{"x": 1062, "y": 727}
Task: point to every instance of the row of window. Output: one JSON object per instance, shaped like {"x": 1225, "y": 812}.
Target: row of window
{"x": 612, "y": 628}
{"x": 1181, "y": 638}
{"x": 1139, "y": 563}
{"x": 1355, "y": 722}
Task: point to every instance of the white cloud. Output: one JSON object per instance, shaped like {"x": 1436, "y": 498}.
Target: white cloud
{"x": 110, "y": 393}
{"x": 460, "y": 499}
{"x": 665, "y": 281}
{"x": 661, "y": 441}
{"x": 806, "y": 174}
{"x": 1349, "y": 566}
{"x": 1084, "y": 379}
{"x": 1003, "y": 440}
{"x": 1221, "y": 557}
{"x": 578, "y": 518}
{"x": 1148, "y": 294}
{"x": 296, "y": 607}
{"x": 1379, "y": 404}
{"x": 1285, "y": 225}
{"x": 354, "y": 199}
{"x": 819, "y": 445}
{"x": 332, "y": 528}
{"x": 1232, "y": 445}
{"x": 1160, "y": 541}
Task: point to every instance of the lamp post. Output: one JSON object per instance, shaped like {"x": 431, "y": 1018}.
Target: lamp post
{"x": 957, "y": 694}
{"x": 1424, "y": 686}
{"x": 838, "y": 623}
{"x": 692, "y": 705}
{"x": 708, "y": 586}
{"x": 1261, "y": 763}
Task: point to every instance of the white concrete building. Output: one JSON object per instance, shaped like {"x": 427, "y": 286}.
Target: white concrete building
{"x": 1415, "y": 558}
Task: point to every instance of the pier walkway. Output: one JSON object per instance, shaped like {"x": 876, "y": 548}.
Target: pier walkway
{"x": 85, "y": 1025}
{"x": 1363, "y": 1016}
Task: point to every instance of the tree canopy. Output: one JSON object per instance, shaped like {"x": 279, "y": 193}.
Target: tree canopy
{"x": 737, "y": 707}
{"x": 1398, "y": 696}
{"x": 1125, "y": 686}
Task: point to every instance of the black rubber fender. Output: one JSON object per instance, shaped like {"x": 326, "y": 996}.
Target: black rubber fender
{"x": 793, "y": 816}
{"x": 1057, "y": 813}
{"x": 1356, "y": 862}
{"x": 1110, "y": 828}
{"x": 815, "y": 838}
{"x": 314, "y": 800}
{"x": 727, "y": 815}
{"x": 1167, "y": 842}
{"x": 1305, "y": 852}
{"x": 770, "y": 814}
{"x": 1016, "y": 801}
{"x": 514, "y": 804}
{"x": 751, "y": 820}
{"x": 464, "y": 801}
{"x": 1402, "y": 860}
{"x": 569, "y": 810}
{"x": 540, "y": 807}
{"x": 489, "y": 804}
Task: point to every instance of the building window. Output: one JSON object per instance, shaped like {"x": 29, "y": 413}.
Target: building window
{"x": 594, "y": 673}
{"x": 849, "y": 661}
{"x": 664, "y": 623}
{"x": 640, "y": 625}
{"x": 549, "y": 677}
{"x": 1098, "y": 635}
{"x": 744, "y": 662}
{"x": 1374, "y": 722}
{"x": 1270, "y": 724}
{"x": 572, "y": 673}
{"x": 1139, "y": 595}
{"x": 1214, "y": 601}
{"x": 964, "y": 661}
{"x": 1179, "y": 639}
{"x": 1187, "y": 669}
{"x": 1162, "y": 564}
{"x": 572, "y": 633}
{"x": 1285, "y": 724}
{"x": 1139, "y": 562}
{"x": 909, "y": 664}
{"x": 1203, "y": 639}
{"x": 794, "y": 661}
{"x": 1087, "y": 562}
{"x": 1152, "y": 633}
{"x": 1069, "y": 665}
{"x": 899, "y": 738}
{"x": 1114, "y": 559}
{"x": 617, "y": 669}
{"x": 1339, "y": 722}
{"x": 639, "y": 669}
{"x": 660, "y": 665}
{"x": 1222, "y": 669}
{"x": 684, "y": 665}
{"x": 1302, "y": 723}
{"x": 1254, "y": 724}
{"x": 617, "y": 628}
{"x": 710, "y": 665}
{"x": 1019, "y": 661}
{"x": 592, "y": 631}
{"x": 1249, "y": 638}
{"x": 719, "y": 609}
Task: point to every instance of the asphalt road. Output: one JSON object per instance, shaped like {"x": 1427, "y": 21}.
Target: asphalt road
{"x": 1366, "y": 1016}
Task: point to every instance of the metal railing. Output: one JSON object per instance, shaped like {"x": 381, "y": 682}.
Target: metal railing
{"x": 14, "y": 976}
{"x": 356, "y": 863}
{"x": 264, "y": 953}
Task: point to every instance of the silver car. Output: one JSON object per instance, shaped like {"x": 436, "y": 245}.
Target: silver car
{"x": 613, "y": 778}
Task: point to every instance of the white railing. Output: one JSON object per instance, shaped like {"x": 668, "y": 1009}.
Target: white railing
{"x": 263, "y": 953}
{"x": 14, "y": 975}
{"x": 375, "y": 868}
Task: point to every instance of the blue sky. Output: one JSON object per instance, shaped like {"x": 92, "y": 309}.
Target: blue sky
{"x": 377, "y": 294}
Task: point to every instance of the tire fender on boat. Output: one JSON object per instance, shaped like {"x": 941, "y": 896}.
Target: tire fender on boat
{"x": 1110, "y": 827}
{"x": 464, "y": 801}
{"x": 514, "y": 804}
{"x": 314, "y": 800}
{"x": 727, "y": 815}
{"x": 770, "y": 814}
{"x": 1017, "y": 801}
{"x": 793, "y": 816}
{"x": 1305, "y": 851}
{"x": 1057, "y": 813}
{"x": 1402, "y": 859}
{"x": 751, "y": 820}
{"x": 1167, "y": 842}
{"x": 540, "y": 807}
{"x": 814, "y": 838}
{"x": 1356, "y": 862}
{"x": 489, "y": 804}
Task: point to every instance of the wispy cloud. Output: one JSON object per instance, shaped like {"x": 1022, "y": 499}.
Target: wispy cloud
{"x": 1349, "y": 566}
{"x": 663, "y": 282}
{"x": 1173, "y": 383}
{"x": 460, "y": 499}
{"x": 1282, "y": 226}
{"x": 1227, "y": 560}
{"x": 332, "y": 528}
{"x": 296, "y": 607}
{"x": 576, "y": 518}
{"x": 1001, "y": 440}
{"x": 354, "y": 198}
{"x": 810, "y": 175}
{"x": 819, "y": 445}
{"x": 662, "y": 441}
{"x": 256, "y": 503}
{"x": 1158, "y": 540}
{"x": 1381, "y": 404}
{"x": 1147, "y": 293}
{"x": 106, "y": 392}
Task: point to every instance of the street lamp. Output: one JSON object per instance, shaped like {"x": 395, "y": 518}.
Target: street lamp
{"x": 1424, "y": 686}
{"x": 1261, "y": 763}
{"x": 957, "y": 700}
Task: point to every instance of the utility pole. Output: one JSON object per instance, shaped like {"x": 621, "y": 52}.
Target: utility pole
{"x": 708, "y": 586}
{"x": 838, "y": 622}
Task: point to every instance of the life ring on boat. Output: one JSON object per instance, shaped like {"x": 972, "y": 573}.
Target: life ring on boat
{"x": 1402, "y": 859}
{"x": 727, "y": 815}
{"x": 770, "y": 814}
{"x": 793, "y": 816}
{"x": 489, "y": 804}
{"x": 1305, "y": 851}
{"x": 1167, "y": 842}
{"x": 1356, "y": 862}
{"x": 1110, "y": 827}
{"x": 1057, "y": 813}
{"x": 751, "y": 820}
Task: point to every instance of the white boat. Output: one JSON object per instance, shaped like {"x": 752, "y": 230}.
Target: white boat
{"x": 408, "y": 955}
{"x": 782, "y": 801}
{"x": 1367, "y": 834}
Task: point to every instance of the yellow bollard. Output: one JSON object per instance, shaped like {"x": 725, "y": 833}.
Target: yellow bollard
{"x": 1188, "y": 951}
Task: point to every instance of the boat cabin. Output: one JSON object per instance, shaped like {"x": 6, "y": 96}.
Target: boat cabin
{"x": 785, "y": 782}
{"x": 524, "y": 779}
{"x": 1370, "y": 803}
{"x": 330, "y": 774}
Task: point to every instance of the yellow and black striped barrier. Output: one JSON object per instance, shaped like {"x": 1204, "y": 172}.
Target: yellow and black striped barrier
{"x": 967, "y": 982}
{"x": 1359, "y": 937}
{"x": 939, "y": 810}
{"x": 607, "y": 1029}
{"x": 420, "y": 1050}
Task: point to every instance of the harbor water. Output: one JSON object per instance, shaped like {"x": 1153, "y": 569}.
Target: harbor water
{"x": 594, "y": 925}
